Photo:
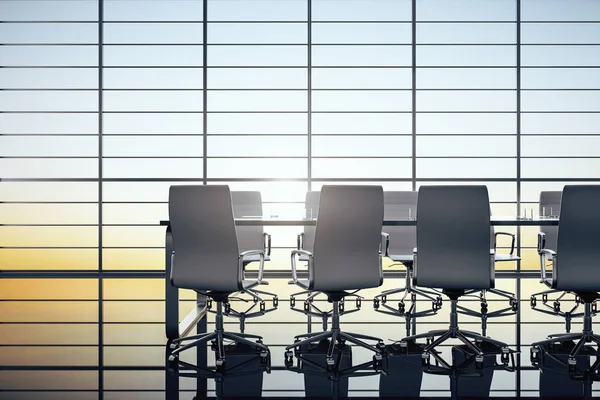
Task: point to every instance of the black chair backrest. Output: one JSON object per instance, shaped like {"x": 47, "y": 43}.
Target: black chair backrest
{"x": 577, "y": 268}
{"x": 347, "y": 238}
{"x": 453, "y": 238}
{"x": 204, "y": 238}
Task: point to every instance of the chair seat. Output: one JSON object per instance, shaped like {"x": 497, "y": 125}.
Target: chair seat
{"x": 255, "y": 257}
{"x": 403, "y": 258}
{"x": 506, "y": 257}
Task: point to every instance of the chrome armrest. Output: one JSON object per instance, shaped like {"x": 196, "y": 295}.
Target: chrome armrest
{"x": 541, "y": 242}
{"x": 300, "y": 241}
{"x": 545, "y": 256}
{"x": 492, "y": 265}
{"x": 512, "y": 243}
{"x": 261, "y": 264}
{"x": 384, "y": 246}
{"x": 414, "y": 268}
{"x": 293, "y": 257}
{"x": 267, "y": 243}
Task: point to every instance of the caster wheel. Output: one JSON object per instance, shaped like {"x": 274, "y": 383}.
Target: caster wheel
{"x": 401, "y": 307}
{"x": 383, "y": 299}
{"x": 425, "y": 359}
{"x": 479, "y": 363}
{"x": 534, "y": 355}
{"x": 572, "y": 364}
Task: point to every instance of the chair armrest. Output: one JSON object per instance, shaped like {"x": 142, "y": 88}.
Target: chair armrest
{"x": 492, "y": 266}
{"x": 414, "y": 268}
{"x": 547, "y": 255}
{"x": 512, "y": 243}
{"x": 541, "y": 242}
{"x": 300, "y": 241}
{"x": 293, "y": 258}
{"x": 261, "y": 264}
{"x": 267, "y": 243}
{"x": 384, "y": 246}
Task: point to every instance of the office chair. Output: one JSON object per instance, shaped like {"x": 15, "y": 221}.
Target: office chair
{"x": 549, "y": 207}
{"x": 453, "y": 253}
{"x": 345, "y": 258}
{"x": 574, "y": 269}
{"x": 402, "y": 241}
{"x": 206, "y": 259}
{"x": 513, "y": 304}
{"x": 305, "y": 241}
{"x": 248, "y": 204}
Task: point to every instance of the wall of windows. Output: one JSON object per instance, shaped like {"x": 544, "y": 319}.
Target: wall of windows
{"x": 106, "y": 103}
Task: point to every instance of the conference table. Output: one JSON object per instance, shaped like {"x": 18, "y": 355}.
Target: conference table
{"x": 195, "y": 318}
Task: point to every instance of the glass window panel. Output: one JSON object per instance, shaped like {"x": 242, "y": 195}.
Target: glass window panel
{"x": 134, "y": 289}
{"x": 246, "y": 56}
{"x": 466, "y": 124}
{"x": 61, "y": 146}
{"x": 466, "y": 101}
{"x": 331, "y": 55}
{"x": 466, "y": 168}
{"x": 361, "y": 10}
{"x": 257, "y": 100}
{"x": 466, "y": 10}
{"x": 44, "y": 10}
{"x": 548, "y": 146}
{"x": 49, "y": 213}
{"x": 257, "y": 78}
{"x": 133, "y": 259}
{"x": 557, "y": 78}
{"x": 64, "y": 123}
{"x": 127, "y": 380}
{"x": 152, "y": 168}
{"x": 133, "y": 236}
{"x": 279, "y": 191}
{"x": 230, "y": 33}
{"x": 148, "y": 146}
{"x": 568, "y": 56}
{"x": 49, "y": 356}
{"x": 264, "y": 123}
{"x": 36, "y": 334}
{"x": 560, "y": 167}
{"x": 559, "y": 10}
{"x": 466, "y": 33}
{"x": 48, "y": 236}
{"x": 49, "y": 380}
{"x": 456, "y": 146}
{"x": 467, "y": 78}
{"x": 361, "y": 78}
{"x": 257, "y": 146}
{"x": 151, "y": 124}
{"x": 364, "y": 123}
{"x": 49, "y": 311}
{"x": 134, "y": 356}
{"x": 148, "y": 334}
{"x": 366, "y": 146}
{"x": 134, "y": 213}
{"x": 560, "y": 100}
{"x": 153, "y": 56}
{"x": 373, "y": 168}
{"x": 34, "y": 56}
{"x": 361, "y": 101}
{"x": 565, "y": 33}
{"x": 153, "y": 33}
{"x": 498, "y": 191}
{"x": 137, "y": 191}
{"x": 363, "y": 33}
{"x": 152, "y": 78}
{"x": 152, "y": 10}
{"x": 257, "y": 10}
{"x": 257, "y": 168}
{"x": 49, "y": 259}
{"x": 465, "y": 56}
{"x": 180, "y": 100}
{"x": 564, "y": 123}
{"x": 49, "y": 191}
{"x": 48, "y": 168}
{"x": 45, "y": 33}
{"x": 48, "y": 101}
{"x": 134, "y": 311}
{"x": 48, "y": 78}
